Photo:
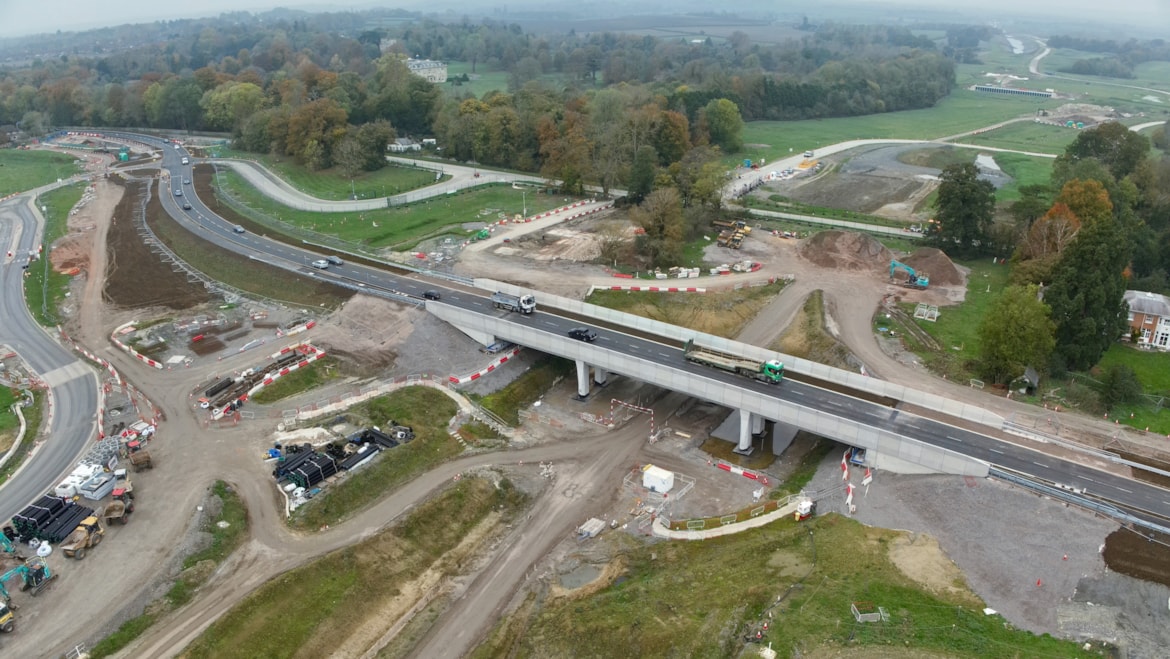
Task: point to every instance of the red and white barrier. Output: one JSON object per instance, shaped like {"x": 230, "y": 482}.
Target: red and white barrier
{"x": 740, "y": 471}
{"x": 131, "y": 351}
{"x": 503, "y": 359}
{"x": 303, "y": 327}
{"x": 311, "y": 354}
{"x": 659, "y": 289}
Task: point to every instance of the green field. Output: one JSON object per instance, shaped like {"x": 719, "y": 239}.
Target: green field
{"x": 21, "y": 171}
{"x": 961, "y": 111}
{"x": 699, "y": 599}
{"x": 333, "y": 184}
{"x": 1026, "y": 136}
{"x": 43, "y": 298}
{"x": 1024, "y": 170}
{"x": 483, "y": 80}
{"x": 400, "y": 227}
{"x": 957, "y": 327}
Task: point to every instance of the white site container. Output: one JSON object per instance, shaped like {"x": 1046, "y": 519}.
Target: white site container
{"x": 98, "y": 487}
{"x": 657, "y": 479}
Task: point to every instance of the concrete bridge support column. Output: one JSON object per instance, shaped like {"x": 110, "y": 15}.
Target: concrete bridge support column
{"x": 757, "y": 424}
{"x": 582, "y": 380}
{"x": 745, "y": 433}
{"x": 599, "y": 376}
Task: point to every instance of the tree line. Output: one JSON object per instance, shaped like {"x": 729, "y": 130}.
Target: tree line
{"x": 1099, "y": 228}
{"x": 1125, "y": 55}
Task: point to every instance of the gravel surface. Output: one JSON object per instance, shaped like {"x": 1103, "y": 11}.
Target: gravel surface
{"x": 1010, "y": 544}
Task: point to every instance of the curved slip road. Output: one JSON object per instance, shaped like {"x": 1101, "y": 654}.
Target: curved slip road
{"x": 73, "y": 385}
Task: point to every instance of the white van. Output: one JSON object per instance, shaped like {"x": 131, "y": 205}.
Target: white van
{"x": 186, "y": 161}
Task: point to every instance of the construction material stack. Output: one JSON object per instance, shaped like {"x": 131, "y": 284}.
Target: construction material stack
{"x": 312, "y": 471}
{"x": 50, "y": 518}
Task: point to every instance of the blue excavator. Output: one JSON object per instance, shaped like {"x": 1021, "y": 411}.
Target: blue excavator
{"x": 913, "y": 279}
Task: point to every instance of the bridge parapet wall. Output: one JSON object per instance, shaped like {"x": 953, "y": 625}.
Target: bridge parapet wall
{"x": 648, "y": 369}
{"x": 934, "y": 402}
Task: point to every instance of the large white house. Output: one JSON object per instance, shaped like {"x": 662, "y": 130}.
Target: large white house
{"x": 1149, "y": 318}
{"x": 429, "y": 69}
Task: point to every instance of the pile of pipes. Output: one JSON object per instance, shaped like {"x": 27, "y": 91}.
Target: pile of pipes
{"x": 51, "y": 519}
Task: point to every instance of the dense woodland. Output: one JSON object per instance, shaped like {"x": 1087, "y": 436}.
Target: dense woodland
{"x": 1122, "y": 59}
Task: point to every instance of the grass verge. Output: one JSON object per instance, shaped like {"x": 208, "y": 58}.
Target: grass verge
{"x": 695, "y": 599}
{"x": 33, "y": 415}
{"x": 21, "y": 170}
{"x": 300, "y": 381}
{"x": 400, "y": 227}
{"x": 311, "y": 611}
{"x": 425, "y": 409}
{"x": 44, "y": 287}
{"x": 196, "y": 568}
{"x": 721, "y": 313}
{"x": 506, "y": 403}
{"x": 333, "y": 184}
{"x": 1152, "y": 369}
{"x": 8, "y": 420}
{"x": 245, "y": 274}
{"x": 957, "y": 327}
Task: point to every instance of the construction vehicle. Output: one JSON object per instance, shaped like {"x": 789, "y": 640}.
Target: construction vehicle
{"x": 525, "y": 304}
{"x": 88, "y": 534}
{"x": 7, "y": 622}
{"x": 771, "y": 371}
{"x": 7, "y": 547}
{"x": 118, "y": 511}
{"x": 141, "y": 459}
{"x": 729, "y": 238}
{"x": 913, "y": 279}
{"x": 734, "y": 225}
{"x": 34, "y": 575}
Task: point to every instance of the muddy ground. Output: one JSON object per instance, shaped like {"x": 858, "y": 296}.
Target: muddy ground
{"x": 136, "y": 276}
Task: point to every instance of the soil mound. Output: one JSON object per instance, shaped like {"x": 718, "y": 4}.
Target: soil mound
{"x": 937, "y": 265}
{"x": 366, "y": 330}
{"x": 846, "y": 250}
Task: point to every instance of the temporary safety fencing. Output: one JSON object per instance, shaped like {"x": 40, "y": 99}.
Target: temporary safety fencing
{"x": 131, "y": 351}
{"x": 455, "y": 379}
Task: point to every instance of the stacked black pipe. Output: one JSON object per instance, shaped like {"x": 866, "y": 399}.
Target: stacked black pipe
{"x": 355, "y": 459}
{"x": 50, "y": 518}
{"x": 292, "y": 459}
{"x": 218, "y": 387}
{"x": 370, "y": 435}
{"x": 314, "y": 470}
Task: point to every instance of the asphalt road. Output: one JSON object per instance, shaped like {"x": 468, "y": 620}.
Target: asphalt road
{"x": 72, "y": 384}
{"x": 1135, "y": 495}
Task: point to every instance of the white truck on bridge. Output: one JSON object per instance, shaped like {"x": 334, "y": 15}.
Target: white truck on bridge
{"x": 523, "y": 303}
{"x": 771, "y": 371}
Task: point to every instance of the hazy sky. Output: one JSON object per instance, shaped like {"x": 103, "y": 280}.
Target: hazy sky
{"x": 18, "y": 17}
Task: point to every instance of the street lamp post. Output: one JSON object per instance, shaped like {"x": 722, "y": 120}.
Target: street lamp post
{"x": 524, "y": 203}
{"x": 352, "y": 190}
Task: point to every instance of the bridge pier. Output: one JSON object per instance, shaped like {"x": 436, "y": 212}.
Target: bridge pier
{"x": 599, "y": 376}
{"x": 745, "y": 432}
{"x": 757, "y": 424}
{"x": 582, "y": 380}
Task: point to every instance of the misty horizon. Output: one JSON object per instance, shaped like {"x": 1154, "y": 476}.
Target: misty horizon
{"x": 20, "y": 18}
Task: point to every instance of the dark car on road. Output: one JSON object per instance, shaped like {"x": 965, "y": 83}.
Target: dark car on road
{"x": 335, "y": 260}
{"x": 583, "y": 334}
{"x": 431, "y": 295}
{"x": 186, "y": 206}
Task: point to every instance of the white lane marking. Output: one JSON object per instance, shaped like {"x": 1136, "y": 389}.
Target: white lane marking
{"x": 1040, "y": 465}
{"x": 993, "y": 450}
{"x": 1125, "y": 490}
{"x": 952, "y": 437}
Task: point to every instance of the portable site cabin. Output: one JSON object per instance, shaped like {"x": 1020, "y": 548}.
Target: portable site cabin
{"x": 657, "y": 479}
